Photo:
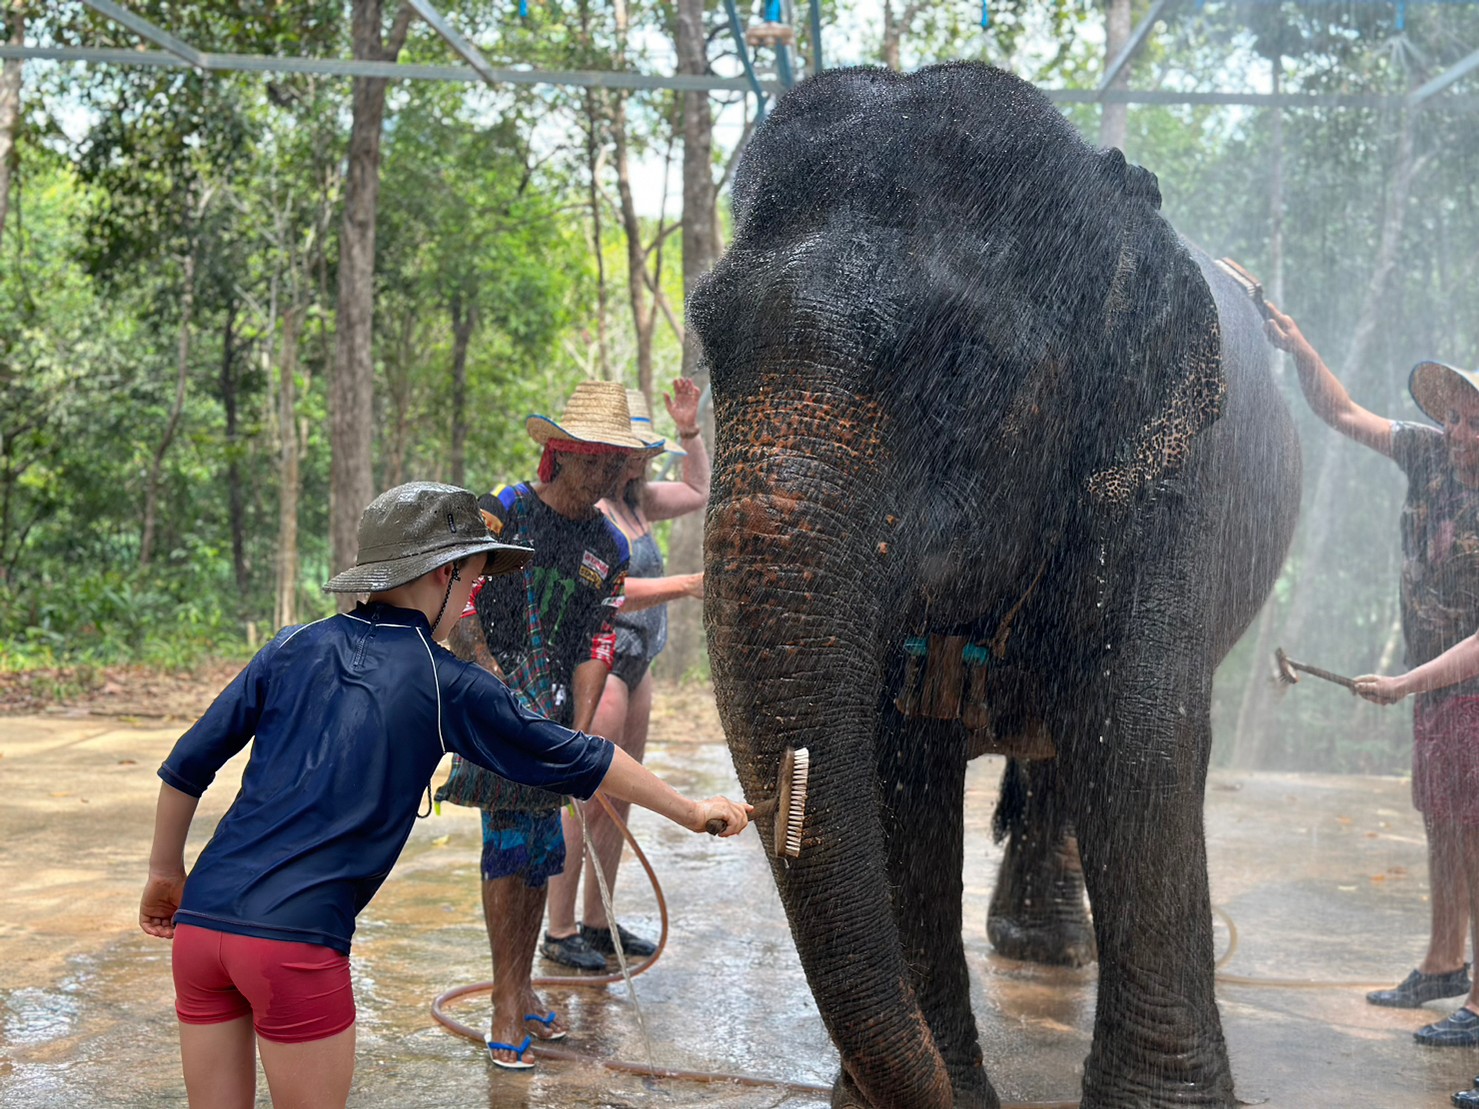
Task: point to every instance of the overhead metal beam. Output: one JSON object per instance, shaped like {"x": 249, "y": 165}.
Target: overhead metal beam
{"x": 155, "y": 34}
{"x": 396, "y": 71}
{"x": 1137, "y": 40}
{"x": 1443, "y": 80}
{"x": 333, "y": 67}
{"x": 466, "y": 50}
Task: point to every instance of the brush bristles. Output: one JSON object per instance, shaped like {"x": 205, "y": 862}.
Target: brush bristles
{"x": 790, "y": 811}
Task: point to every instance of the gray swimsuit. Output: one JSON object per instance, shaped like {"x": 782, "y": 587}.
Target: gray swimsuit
{"x": 641, "y": 636}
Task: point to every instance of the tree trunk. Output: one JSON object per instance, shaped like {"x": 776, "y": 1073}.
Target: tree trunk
{"x": 894, "y": 28}
{"x": 351, "y": 389}
{"x": 700, "y": 252}
{"x": 285, "y": 608}
{"x": 182, "y": 368}
{"x": 1114, "y": 119}
{"x": 1318, "y": 518}
{"x": 643, "y": 320}
{"x": 235, "y": 501}
{"x": 464, "y": 323}
{"x": 10, "y": 104}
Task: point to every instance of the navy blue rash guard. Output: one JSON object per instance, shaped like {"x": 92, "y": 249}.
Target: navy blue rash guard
{"x": 351, "y": 716}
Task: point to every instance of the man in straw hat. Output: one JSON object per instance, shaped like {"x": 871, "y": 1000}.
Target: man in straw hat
{"x": 351, "y": 716}
{"x": 626, "y": 703}
{"x": 1440, "y": 609}
{"x": 550, "y": 636}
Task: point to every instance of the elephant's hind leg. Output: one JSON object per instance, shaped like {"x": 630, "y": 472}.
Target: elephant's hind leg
{"x": 1038, "y": 909}
{"x": 922, "y": 783}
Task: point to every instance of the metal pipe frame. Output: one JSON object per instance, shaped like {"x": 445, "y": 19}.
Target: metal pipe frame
{"x": 155, "y": 34}
{"x": 1427, "y": 91}
{"x": 814, "y": 15}
{"x": 464, "y": 49}
{"x": 398, "y": 71}
{"x": 1138, "y": 38}
{"x": 737, "y": 30}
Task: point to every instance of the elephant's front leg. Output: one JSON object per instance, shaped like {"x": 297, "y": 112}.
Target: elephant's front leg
{"x": 1157, "y": 1035}
{"x": 1037, "y": 909}
{"x": 921, "y": 767}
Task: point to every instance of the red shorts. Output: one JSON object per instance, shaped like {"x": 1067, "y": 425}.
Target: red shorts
{"x": 294, "y": 992}
{"x": 1445, "y": 759}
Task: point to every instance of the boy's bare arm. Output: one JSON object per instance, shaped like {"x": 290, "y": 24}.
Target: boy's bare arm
{"x": 628, "y": 780}
{"x": 172, "y": 816}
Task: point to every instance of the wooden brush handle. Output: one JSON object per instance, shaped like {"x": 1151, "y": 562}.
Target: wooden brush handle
{"x": 717, "y": 827}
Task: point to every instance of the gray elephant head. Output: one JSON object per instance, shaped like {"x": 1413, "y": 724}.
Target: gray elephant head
{"x": 951, "y": 344}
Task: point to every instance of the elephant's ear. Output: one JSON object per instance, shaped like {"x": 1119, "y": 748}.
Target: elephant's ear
{"x": 1164, "y": 352}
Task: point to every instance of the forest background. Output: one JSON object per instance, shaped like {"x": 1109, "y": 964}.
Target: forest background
{"x": 229, "y": 301}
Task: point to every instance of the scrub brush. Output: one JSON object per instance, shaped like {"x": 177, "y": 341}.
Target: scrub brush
{"x": 788, "y": 805}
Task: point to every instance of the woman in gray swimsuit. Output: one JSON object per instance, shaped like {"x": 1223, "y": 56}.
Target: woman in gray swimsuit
{"x": 626, "y": 703}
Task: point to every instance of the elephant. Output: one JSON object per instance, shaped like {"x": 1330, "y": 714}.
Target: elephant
{"x": 1000, "y": 464}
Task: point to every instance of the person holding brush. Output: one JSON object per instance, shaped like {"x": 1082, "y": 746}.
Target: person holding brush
{"x": 1440, "y": 610}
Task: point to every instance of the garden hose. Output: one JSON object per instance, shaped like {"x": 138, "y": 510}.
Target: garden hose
{"x": 545, "y": 1050}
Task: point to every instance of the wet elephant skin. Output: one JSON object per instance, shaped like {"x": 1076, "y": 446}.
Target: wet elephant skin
{"x": 963, "y": 368}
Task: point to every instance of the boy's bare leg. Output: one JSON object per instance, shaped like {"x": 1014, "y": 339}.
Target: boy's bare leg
{"x": 513, "y": 913}
{"x": 312, "y": 1075}
{"x": 1448, "y": 889}
{"x": 220, "y": 1064}
{"x": 564, "y": 888}
{"x": 606, "y": 837}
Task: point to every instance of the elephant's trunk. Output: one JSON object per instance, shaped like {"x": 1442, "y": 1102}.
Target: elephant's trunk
{"x": 796, "y": 556}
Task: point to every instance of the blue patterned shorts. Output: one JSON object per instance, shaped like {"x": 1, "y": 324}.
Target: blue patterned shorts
{"x": 528, "y": 845}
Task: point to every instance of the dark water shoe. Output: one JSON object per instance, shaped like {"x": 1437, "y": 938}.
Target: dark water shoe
{"x": 1418, "y": 988}
{"x": 600, "y": 940}
{"x": 1467, "y": 1099}
{"x": 1459, "y": 1030}
{"x": 572, "y": 951}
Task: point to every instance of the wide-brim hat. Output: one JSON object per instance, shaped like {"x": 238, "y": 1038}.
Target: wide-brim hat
{"x": 1434, "y": 386}
{"x": 414, "y": 528}
{"x": 596, "y": 413}
{"x": 642, "y": 426}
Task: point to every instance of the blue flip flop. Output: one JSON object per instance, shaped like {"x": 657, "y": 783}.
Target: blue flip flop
{"x": 548, "y": 1022}
{"x": 518, "y": 1063}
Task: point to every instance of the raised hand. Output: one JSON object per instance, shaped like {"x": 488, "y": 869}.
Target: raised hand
{"x": 682, "y": 404}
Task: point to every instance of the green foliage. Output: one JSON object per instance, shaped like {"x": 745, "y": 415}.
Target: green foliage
{"x": 486, "y": 224}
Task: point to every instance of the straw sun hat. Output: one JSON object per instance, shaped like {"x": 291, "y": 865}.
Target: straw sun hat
{"x": 596, "y": 413}
{"x": 1434, "y": 386}
{"x": 643, "y": 429}
{"x": 417, "y": 527}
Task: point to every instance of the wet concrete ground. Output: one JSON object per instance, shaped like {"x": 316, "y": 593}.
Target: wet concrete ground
{"x": 1320, "y": 883}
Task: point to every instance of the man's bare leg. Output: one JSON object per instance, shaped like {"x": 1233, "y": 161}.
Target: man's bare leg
{"x": 513, "y": 913}
{"x": 1449, "y": 897}
{"x": 564, "y": 888}
{"x": 606, "y": 837}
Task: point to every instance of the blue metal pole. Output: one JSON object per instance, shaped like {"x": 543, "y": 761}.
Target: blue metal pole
{"x": 816, "y": 36}
{"x": 737, "y": 29}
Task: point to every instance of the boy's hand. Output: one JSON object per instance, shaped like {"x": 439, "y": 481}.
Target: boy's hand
{"x": 1382, "y": 690}
{"x": 158, "y": 905}
{"x": 720, "y": 816}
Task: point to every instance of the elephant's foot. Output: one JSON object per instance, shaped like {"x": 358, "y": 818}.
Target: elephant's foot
{"x": 1038, "y": 913}
{"x": 971, "y": 1091}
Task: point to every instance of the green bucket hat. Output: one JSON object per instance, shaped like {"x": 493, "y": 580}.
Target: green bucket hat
{"x": 417, "y": 527}
{"x": 1434, "y": 385}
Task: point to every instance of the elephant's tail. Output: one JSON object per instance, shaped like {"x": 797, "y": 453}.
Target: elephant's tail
{"x": 1011, "y": 802}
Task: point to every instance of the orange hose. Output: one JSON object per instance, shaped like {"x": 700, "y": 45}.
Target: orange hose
{"x": 621, "y": 1066}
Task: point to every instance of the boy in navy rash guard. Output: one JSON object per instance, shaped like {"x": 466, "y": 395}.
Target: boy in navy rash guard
{"x": 351, "y": 716}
